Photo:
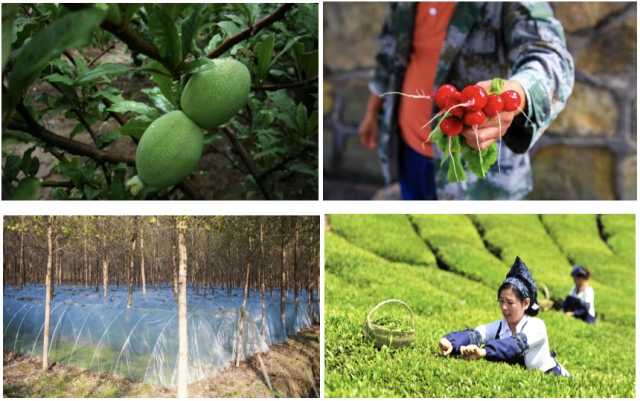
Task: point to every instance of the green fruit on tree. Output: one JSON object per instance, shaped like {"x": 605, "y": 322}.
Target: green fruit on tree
{"x": 169, "y": 150}
{"x": 214, "y": 95}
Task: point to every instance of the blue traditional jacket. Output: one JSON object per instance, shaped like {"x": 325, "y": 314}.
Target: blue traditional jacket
{"x": 518, "y": 41}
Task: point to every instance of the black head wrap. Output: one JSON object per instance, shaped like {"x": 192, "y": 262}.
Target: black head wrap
{"x": 579, "y": 271}
{"x": 520, "y": 277}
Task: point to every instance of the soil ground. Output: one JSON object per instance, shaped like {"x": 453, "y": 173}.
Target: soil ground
{"x": 293, "y": 369}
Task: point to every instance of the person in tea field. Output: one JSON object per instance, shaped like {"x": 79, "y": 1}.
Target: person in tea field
{"x": 518, "y": 338}
{"x": 580, "y": 303}
{"x": 425, "y": 45}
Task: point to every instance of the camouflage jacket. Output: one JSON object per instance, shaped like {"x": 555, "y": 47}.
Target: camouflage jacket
{"x": 518, "y": 41}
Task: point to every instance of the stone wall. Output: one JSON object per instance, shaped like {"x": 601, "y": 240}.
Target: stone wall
{"x": 589, "y": 152}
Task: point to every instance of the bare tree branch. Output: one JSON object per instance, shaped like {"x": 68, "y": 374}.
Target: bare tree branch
{"x": 246, "y": 159}
{"x": 68, "y": 145}
{"x": 252, "y": 30}
{"x": 288, "y": 85}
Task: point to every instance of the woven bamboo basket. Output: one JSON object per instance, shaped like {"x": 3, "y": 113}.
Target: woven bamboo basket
{"x": 389, "y": 337}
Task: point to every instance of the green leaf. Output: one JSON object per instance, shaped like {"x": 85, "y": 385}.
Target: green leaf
{"x": 9, "y": 12}
{"x": 301, "y": 118}
{"x": 303, "y": 169}
{"x": 127, "y": 11}
{"x": 11, "y": 167}
{"x": 27, "y": 189}
{"x": 103, "y": 70}
{"x": 264, "y": 53}
{"x": 59, "y": 79}
{"x": 71, "y": 30}
{"x": 129, "y": 106}
{"x": 29, "y": 165}
{"x": 455, "y": 172}
{"x": 496, "y": 86}
{"x": 165, "y": 36}
{"x": 159, "y": 100}
{"x": 197, "y": 66}
{"x": 479, "y": 162}
{"x": 135, "y": 127}
{"x": 214, "y": 42}
{"x": 229, "y": 28}
{"x": 190, "y": 29}
{"x": 288, "y": 46}
{"x": 108, "y": 138}
{"x": 163, "y": 79}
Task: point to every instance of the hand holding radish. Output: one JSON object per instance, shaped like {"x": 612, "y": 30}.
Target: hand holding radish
{"x": 490, "y": 130}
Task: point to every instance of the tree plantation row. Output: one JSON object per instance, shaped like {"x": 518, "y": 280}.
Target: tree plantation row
{"x": 142, "y": 251}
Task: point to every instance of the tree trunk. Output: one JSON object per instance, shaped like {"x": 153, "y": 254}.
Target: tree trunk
{"x": 142, "y": 276}
{"x": 295, "y": 273}
{"x": 85, "y": 267}
{"x": 263, "y": 319}
{"x": 243, "y": 307}
{"x": 283, "y": 279}
{"x": 48, "y": 294}
{"x": 183, "y": 344}
{"x": 22, "y": 274}
{"x": 130, "y": 267}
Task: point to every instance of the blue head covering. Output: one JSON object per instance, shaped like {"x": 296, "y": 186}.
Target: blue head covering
{"x": 520, "y": 277}
{"x": 579, "y": 271}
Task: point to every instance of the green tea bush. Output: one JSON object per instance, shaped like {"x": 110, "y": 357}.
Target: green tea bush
{"x": 620, "y": 231}
{"x": 390, "y": 236}
{"x": 459, "y": 246}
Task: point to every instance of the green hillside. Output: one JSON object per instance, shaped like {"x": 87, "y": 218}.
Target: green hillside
{"x": 364, "y": 266}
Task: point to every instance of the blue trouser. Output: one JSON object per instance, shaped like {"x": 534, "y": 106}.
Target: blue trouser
{"x": 417, "y": 175}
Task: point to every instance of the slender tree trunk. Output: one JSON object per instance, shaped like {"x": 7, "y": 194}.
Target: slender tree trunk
{"x": 175, "y": 269}
{"x": 183, "y": 344}
{"x": 295, "y": 272}
{"x": 48, "y": 294}
{"x": 283, "y": 279}
{"x": 243, "y": 307}
{"x": 263, "y": 305}
{"x": 142, "y": 276}
{"x": 22, "y": 275}
{"x": 85, "y": 267}
{"x": 130, "y": 268}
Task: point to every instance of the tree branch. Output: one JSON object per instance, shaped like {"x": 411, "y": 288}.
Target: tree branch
{"x": 288, "y": 85}
{"x": 250, "y": 31}
{"x": 246, "y": 159}
{"x": 68, "y": 145}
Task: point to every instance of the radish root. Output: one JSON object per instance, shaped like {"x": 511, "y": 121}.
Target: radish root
{"x": 453, "y": 162}
{"x": 500, "y": 144}
{"x": 475, "y": 131}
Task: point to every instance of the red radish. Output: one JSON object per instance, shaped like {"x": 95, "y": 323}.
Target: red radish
{"x": 473, "y": 118}
{"x": 475, "y": 96}
{"x": 443, "y": 94}
{"x": 494, "y": 106}
{"x": 511, "y": 100}
{"x": 451, "y": 126}
{"x": 454, "y": 100}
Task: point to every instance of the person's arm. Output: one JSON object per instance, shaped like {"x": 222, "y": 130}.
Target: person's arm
{"x": 368, "y": 129}
{"x": 541, "y": 64}
{"x": 462, "y": 338}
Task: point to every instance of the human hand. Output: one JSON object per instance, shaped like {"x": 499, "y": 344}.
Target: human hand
{"x": 570, "y": 314}
{"x": 445, "y": 346}
{"x": 492, "y": 130}
{"x": 368, "y": 129}
{"x": 472, "y": 352}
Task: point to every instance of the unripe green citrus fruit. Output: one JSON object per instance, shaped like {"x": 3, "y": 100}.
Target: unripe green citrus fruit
{"x": 169, "y": 150}
{"x": 211, "y": 97}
